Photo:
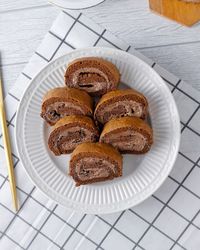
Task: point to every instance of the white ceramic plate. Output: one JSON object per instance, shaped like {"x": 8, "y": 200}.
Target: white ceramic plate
{"x": 142, "y": 175}
{"x": 76, "y": 4}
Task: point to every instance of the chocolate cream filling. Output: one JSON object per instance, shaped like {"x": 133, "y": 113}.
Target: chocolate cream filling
{"x": 121, "y": 109}
{"x": 57, "y": 110}
{"x": 127, "y": 140}
{"x": 89, "y": 168}
{"x": 90, "y": 79}
{"x": 70, "y": 138}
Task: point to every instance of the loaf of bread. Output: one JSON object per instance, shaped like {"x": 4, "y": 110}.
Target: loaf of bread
{"x": 94, "y": 75}
{"x": 69, "y": 132}
{"x": 63, "y": 101}
{"x": 94, "y": 162}
{"x": 128, "y": 135}
{"x": 121, "y": 103}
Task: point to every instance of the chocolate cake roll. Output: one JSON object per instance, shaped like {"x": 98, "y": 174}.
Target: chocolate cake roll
{"x": 120, "y": 103}
{"x": 69, "y": 132}
{"x": 93, "y": 162}
{"x": 63, "y": 101}
{"x": 128, "y": 135}
{"x": 94, "y": 75}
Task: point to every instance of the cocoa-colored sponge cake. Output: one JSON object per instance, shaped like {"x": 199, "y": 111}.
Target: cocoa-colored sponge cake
{"x": 94, "y": 162}
{"x": 120, "y": 103}
{"x": 69, "y": 132}
{"x": 92, "y": 74}
{"x": 128, "y": 135}
{"x": 63, "y": 101}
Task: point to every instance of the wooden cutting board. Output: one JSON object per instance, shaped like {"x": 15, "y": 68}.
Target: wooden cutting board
{"x": 186, "y": 12}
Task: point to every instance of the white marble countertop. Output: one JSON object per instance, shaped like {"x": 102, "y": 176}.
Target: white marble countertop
{"x": 176, "y": 48}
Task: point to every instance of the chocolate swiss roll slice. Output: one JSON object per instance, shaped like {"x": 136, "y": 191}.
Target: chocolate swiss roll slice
{"x": 63, "y": 101}
{"x": 128, "y": 135}
{"x": 94, "y": 162}
{"x": 69, "y": 132}
{"x": 94, "y": 75}
{"x": 120, "y": 103}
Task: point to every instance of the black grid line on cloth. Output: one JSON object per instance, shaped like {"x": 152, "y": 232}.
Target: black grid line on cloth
{"x": 101, "y": 219}
{"x": 7, "y": 178}
{"x": 116, "y": 229}
{"x": 128, "y": 48}
{"x": 176, "y": 85}
{"x": 9, "y": 123}
{"x": 17, "y": 99}
{"x": 93, "y": 31}
{"x": 16, "y": 157}
{"x": 27, "y": 76}
{"x": 41, "y": 56}
{"x": 193, "y": 114}
{"x": 117, "y": 47}
{"x": 153, "y": 226}
{"x": 2, "y": 176}
{"x": 192, "y": 98}
{"x": 191, "y": 129}
{"x": 81, "y": 23}
{"x": 99, "y": 37}
{"x": 177, "y": 88}
{"x": 12, "y": 118}
{"x": 65, "y": 222}
{"x": 165, "y": 205}
{"x": 39, "y": 230}
{"x": 194, "y": 131}
{"x": 68, "y": 44}
{"x": 121, "y": 214}
{"x": 13, "y": 241}
{"x": 62, "y": 41}
{"x": 167, "y": 81}
{"x": 21, "y": 206}
{"x": 172, "y": 84}
{"x": 74, "y": 230}
{"x": 25, "y": 221}
{"x": 190, "y": 191}
{"x": 4, "y": 181}
{"x": 186, "y": 157}
{"x": 49, "y": 210}
{"x": 172, "y": 209}
{"x": 176, "y": 242}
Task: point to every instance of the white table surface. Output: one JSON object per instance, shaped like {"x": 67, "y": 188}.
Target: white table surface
{"x": 24, "y": 23}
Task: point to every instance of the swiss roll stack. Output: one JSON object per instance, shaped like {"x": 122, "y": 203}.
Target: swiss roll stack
{"x": 95, "y": 121}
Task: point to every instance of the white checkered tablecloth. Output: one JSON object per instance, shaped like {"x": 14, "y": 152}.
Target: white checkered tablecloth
{"x": 169, "y": 219}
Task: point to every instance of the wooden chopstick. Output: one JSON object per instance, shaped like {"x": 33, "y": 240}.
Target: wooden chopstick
{"x": 7, "y": 149}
